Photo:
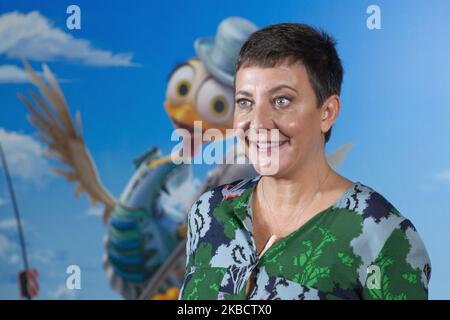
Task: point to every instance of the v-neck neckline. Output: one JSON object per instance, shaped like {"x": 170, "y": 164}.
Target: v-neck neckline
{"x": 304, "y": 226}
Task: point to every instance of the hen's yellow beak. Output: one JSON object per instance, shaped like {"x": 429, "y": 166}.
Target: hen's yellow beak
{"x": 183, "y": 115}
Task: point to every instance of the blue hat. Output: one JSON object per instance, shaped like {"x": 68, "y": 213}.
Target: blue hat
{"x": 219, "y": 54}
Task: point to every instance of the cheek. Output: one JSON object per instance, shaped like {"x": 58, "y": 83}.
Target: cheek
{"x": 292, "y": 127}
{"x": 299, "y": 125}
{"x": 240, "y": 121}
{"x": 240, "y": 127}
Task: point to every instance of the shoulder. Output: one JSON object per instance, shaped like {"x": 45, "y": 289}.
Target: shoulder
{"x": 379, "y": 218}
{"x": 368, "y": 203}
{"x": 373, "y": 208}
{"x": 213, "y": 197}
{"x": 205, "y": 225}
{"x": 383, "y": 228}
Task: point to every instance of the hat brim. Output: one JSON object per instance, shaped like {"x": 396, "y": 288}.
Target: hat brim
{"x": 203, "y": 47}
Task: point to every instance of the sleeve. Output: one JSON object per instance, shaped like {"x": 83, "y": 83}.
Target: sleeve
{"x": 198, "y": 224}
{"x": 188, "y": 255}
{"x": 402, "y": 268}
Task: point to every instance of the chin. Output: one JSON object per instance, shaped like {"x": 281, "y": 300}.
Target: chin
{"x": 276, "y": 169}
{"x": 268, "y": 169}
{"x": 267, "y": 163}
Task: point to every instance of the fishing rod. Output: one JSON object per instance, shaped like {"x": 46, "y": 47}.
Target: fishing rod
{"x": 16, "y": 213}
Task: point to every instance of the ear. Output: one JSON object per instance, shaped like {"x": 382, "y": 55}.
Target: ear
{"x": 329, "y": 112}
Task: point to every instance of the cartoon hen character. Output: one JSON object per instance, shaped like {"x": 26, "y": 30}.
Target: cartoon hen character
{"x": 145, "y": 242}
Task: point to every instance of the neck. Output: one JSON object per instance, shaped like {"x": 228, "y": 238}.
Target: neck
{"x": 305, "y": 182}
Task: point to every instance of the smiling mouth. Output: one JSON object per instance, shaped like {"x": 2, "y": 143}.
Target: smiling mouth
{"x": 268, "y": 146}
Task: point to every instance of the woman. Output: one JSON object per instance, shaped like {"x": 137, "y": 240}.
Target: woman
{"x": 299, "y": 230}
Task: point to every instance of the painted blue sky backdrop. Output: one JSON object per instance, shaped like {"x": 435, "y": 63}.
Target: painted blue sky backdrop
{"x": 395, "y": 112}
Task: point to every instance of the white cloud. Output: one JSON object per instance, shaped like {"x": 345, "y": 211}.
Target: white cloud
{"x": 8, "y": 224}
{"x": 32, "y": 36}
{"x": 61, "y": 292}
{"x": 44, "y": 256}
{"x": 95, "y": 211}
{"x": 5, "y": 245}
{"x": 443, "y": 176}
{"x": 12, "y": 74}
{"x": 8, "y": 250}
{"x": 25, "y": 156}
{"x": 14, "y": 259}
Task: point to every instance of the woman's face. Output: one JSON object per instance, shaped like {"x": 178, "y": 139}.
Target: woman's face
{"x": 278, "y": 99}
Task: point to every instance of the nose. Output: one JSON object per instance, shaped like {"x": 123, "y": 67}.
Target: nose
{"x": 261, "y": 118}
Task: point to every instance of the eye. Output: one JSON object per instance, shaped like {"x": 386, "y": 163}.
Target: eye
{"x": 243, "y": 103}
{"x": 281, "y": 101}
{"x": 215, "y": 102}
{"x": 219, "y": 105}
{"x": 183, "y": 88}
{"x": 180, "y": 82}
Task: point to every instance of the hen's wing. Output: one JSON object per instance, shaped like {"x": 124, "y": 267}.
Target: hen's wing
{"x": 63, "y": 138}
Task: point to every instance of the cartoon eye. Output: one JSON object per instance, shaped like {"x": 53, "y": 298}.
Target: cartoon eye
{"x": 215, "y": 102}
{"x": 183, "y": 87}
{"x": 180, "y": 82}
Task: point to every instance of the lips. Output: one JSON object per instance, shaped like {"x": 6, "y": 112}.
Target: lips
{"x": 269, "y": 146}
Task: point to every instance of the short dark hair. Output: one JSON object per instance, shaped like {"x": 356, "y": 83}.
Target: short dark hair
{"x": 297, "y": 42}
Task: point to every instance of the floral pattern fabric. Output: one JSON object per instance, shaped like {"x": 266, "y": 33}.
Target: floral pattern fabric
{"x": 361, "y": 247}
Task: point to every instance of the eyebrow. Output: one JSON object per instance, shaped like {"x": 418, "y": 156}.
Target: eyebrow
{"x": 282, "y": 86}
{"x": 271, "y": 91}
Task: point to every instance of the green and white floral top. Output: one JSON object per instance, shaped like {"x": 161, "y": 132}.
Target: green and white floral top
{"x": 361, "y": 247}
